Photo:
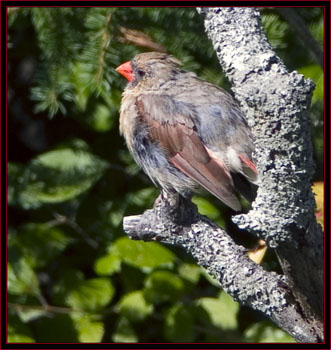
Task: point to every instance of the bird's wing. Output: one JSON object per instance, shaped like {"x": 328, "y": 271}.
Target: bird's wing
{"x": 174, "y": 129}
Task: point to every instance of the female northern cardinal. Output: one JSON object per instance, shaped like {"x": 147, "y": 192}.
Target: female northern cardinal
{"x": 183, "y": 131}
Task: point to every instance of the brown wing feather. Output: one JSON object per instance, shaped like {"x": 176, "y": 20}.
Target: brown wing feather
{"x": 187, "y": 153}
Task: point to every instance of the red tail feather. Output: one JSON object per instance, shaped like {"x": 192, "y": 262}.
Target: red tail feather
{"x": 248, "y": 163}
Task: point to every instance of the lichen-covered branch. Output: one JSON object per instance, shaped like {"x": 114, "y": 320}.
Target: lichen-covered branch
{"x": 276, "y": 103}
{"x": 176, "y": 221}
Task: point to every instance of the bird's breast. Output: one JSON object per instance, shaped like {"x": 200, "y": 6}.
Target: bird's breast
{"x": 128, "y": 118}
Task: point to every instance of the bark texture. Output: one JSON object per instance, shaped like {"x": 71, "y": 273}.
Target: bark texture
{"x": 276, "y": 103}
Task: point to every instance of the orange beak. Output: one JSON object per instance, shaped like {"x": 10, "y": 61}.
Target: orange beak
{"x": 126, "y": 70}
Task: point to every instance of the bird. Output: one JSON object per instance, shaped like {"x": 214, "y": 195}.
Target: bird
{"x": 184, "y": 132}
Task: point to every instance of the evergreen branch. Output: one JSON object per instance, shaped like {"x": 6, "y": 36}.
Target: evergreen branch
{"x": 303, "y": 32}
{"x": 105, "y": 40}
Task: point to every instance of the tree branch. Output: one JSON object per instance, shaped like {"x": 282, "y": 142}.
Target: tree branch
{"x": 276, "y": 104}
{"x": 176, "y": 221}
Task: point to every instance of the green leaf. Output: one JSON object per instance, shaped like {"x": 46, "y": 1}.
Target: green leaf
{"x": 19, "y": 338}
{"x": 70, "y": 280}
{"x": 206, "y": 208}
{"x": 315, "y": 72}
{"x": 107, "y": 264}
{"x": 75, "y": 144}
{"x": 211, "y": 279}
{"x": 53, "y": 177}
{"x": 41, "y": 243}
{"x": 179, "y": 324}
{"x": 265, "y": 332}
{"x": 91, "y": 295}
{"x": 190, "y": 272}
{"x": 17, "y": 331}
{"x": 223, "y": 311}
{"x": 124, "y": 332}
{"x": 89, "y": 331}
{"x": 161, "y": 286}
{"x": 21, "y": 278}
{"x": 134, "y": 307}
{"x": 102, "y": 119}
{"x": 116, "y": 215}
{"x": 27, "y": 315}
{"x": 143, "y": 255}
{"x": 144, "y": 197}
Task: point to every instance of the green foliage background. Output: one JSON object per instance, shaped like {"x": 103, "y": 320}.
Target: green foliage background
{"x": 73, "y": 276}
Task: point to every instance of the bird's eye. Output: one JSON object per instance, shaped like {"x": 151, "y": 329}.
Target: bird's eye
{"x": 141, "y": 73}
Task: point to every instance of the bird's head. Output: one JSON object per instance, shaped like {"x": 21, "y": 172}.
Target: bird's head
{"x": 143, "y": 67}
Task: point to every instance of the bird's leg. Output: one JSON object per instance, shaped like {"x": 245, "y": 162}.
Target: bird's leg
{"x": 158, "y": 199}
{"x": 179, "y": 208}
